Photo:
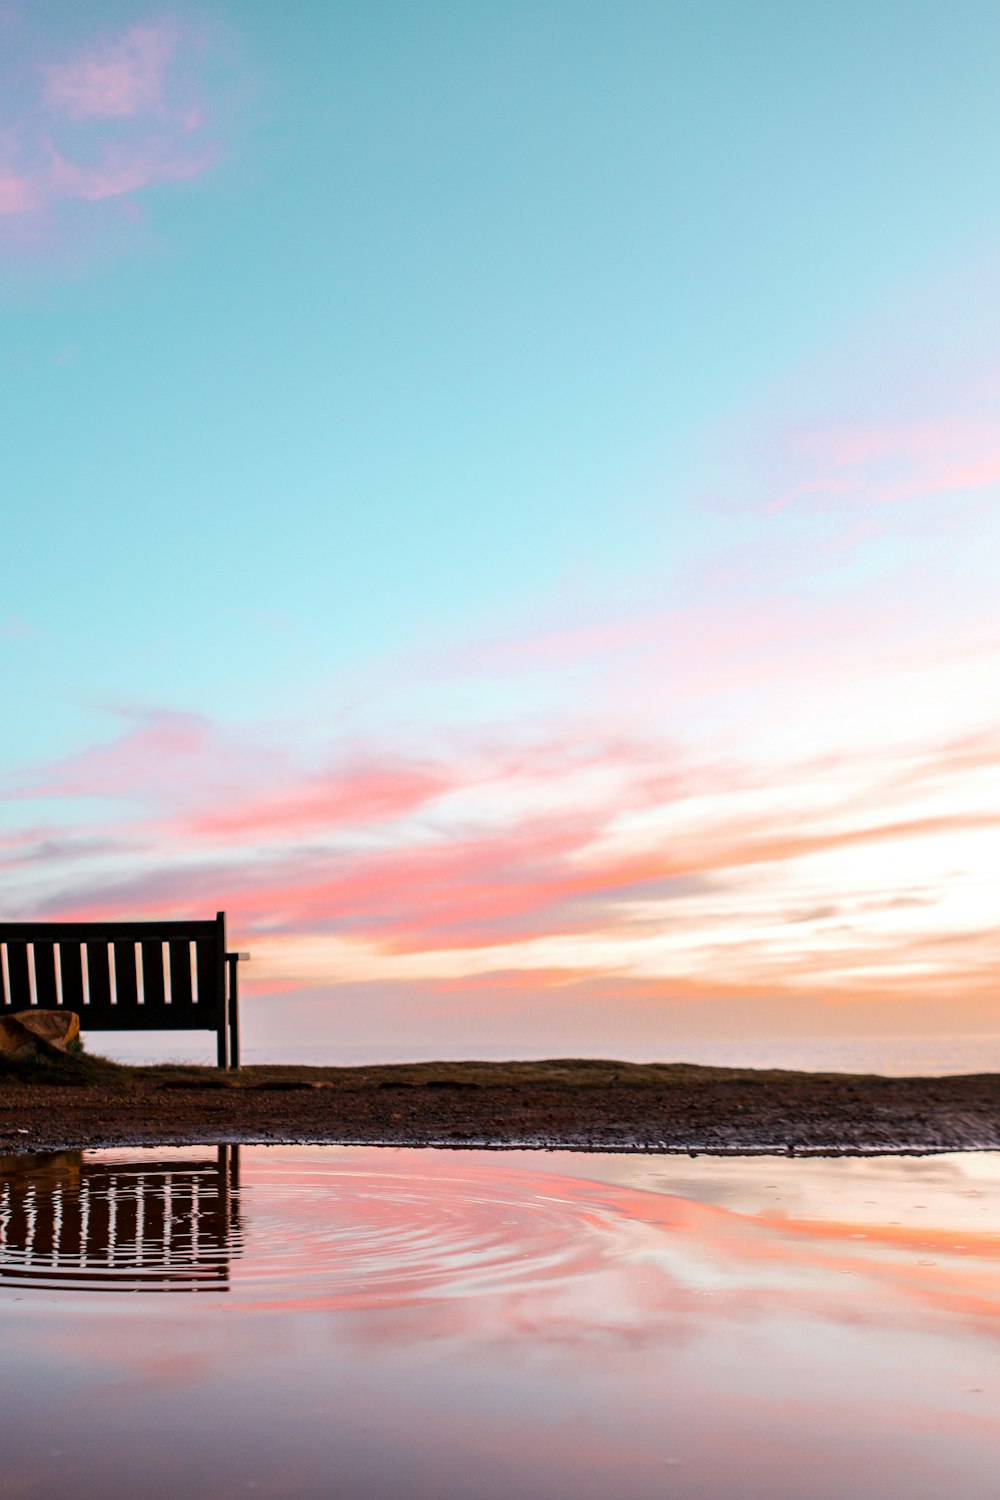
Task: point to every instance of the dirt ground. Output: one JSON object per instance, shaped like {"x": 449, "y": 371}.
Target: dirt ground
{"x": 583, "y": 1105}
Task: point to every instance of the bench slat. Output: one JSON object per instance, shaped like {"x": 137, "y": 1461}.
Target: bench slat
{"x": 99, "y": 975}
{"x": 180, "y": 973}
{"x": 17, "y": 968}
{"x": 126, "y": 987}
{"x": 45, "y": 975}
{"x": 152, "y": 976}
{"x": 206, "y": 963}
{"x": 71, "y": 973}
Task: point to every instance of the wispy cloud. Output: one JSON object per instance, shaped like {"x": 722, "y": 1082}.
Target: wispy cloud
{"x": 750, "y": 811}
{"x": 767, "y": 789}
{"x": 879, "y": 462}
{"x": 156, "y": 753}
{"x": 98, "y": 124}
{"x": 876, "y": 464}
{"x": 854, "y": 877}
{"x": 117, "y": 76}
{"x": 15, "y": 629}
{"x": 320, "y": 802}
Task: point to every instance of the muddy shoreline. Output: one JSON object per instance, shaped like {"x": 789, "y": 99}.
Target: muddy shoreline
{"x": 579, "y": 1105}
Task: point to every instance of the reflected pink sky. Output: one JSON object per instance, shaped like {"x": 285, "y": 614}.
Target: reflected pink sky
{"x": 459, "y": 1323}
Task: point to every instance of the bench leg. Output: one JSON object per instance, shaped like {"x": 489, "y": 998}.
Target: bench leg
{"x": 234, "y": 1010}
{"x": 222, "y": 1049}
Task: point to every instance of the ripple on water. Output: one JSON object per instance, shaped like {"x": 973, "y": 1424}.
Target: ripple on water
{"x": 329, "y": 1231}
{"x": 352, "y": 1237}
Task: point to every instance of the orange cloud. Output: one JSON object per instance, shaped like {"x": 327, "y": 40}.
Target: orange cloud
{"x": 588, "y": 868}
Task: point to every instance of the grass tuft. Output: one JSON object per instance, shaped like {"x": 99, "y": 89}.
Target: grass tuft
{"x": 75, "y": 1065}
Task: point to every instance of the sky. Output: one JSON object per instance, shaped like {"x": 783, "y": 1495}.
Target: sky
{"x": 503, "y": 501}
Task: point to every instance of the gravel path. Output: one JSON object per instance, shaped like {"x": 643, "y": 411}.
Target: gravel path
{"x": 581, "y": 1105}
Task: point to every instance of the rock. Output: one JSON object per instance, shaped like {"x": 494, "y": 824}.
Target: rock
{"x": 26, "y": 1033}
{"x": 56, "y": 1027}
{"x": 16, "y": 1043}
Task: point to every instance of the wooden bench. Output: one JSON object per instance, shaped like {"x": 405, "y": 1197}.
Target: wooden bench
{"x": 126, "y": 976}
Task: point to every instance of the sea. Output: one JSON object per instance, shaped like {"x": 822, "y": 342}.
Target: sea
{"x": 929, "y": 1056}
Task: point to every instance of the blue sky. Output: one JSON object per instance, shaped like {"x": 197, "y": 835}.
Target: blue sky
{"x": 475, "y": 397}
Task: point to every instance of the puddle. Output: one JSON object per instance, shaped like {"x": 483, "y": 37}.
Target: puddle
{"x": 362, "y": 1322}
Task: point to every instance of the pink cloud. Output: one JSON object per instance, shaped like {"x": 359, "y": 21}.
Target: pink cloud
{"x": 339, "y": 798}
{"x": 555, "y": 852}
{"x": 156, "y": 749}
{"x": 886, "y": 463}
{"x": 207, "y": 788}
{"x": 121, "y": 115}
{"x": 121, "y": 170}
{"x": 447, "y": 893}
{"x": 313, "y": 857}
{"x": 18, "y": 194}
{"x": 118, "y": 76}
{"x": 869, "y": 462}
{"x": 15, "y": 629}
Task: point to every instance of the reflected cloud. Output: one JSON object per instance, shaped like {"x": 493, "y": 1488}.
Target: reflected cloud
{"x": 537, "y": 1321}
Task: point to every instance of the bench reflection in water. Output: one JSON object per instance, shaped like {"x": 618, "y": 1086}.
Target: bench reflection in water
{"x": 164, "y": 1222}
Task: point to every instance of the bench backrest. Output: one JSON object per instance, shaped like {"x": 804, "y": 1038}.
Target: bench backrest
{"x": 118, "y": 976}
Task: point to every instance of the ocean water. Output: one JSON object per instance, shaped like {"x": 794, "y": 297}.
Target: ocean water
{"x": 928, "y": 1056}
{"x": 364, "y": 1323}
{"x": 894, "y": 1056}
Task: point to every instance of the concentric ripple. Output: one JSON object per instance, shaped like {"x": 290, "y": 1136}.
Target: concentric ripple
{"x": 328, "y": 1227}
{"x": 340, "y": 1234}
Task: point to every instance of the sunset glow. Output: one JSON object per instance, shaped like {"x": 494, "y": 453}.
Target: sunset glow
{"x": 588, "y": 656}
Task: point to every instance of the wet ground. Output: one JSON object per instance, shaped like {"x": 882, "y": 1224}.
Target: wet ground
{"x": 577, "y": 1104}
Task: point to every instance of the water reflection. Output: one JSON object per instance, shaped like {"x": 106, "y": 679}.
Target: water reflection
{"x": 156, "y": 1222}
{"x": 450, "y": 1324}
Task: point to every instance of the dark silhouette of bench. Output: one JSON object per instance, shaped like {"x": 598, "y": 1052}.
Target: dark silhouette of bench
{"x": 126, "y": 976}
